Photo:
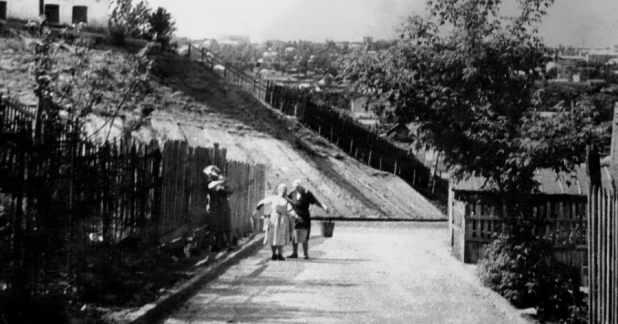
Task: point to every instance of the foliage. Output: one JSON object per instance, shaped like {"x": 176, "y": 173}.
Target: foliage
{"x": 42, "y": 309}
{"x": 552, "y": 73}
{"x": 578, "y": 314}
{"x": 69, "y": 88}
{"x": 468, "y": 74}
{"x": 332, "y": 99}
{"x": 128, "y": 19}
{"x": 162, "y": 26}
{"x": 523, "y": 269}
{"x": 90, "y": 84}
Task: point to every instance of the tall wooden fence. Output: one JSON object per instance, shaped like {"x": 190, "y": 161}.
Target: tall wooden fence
{"x": 603, "y": 257}
{"x": 62, "y": 195}
{"x": 474, "y": 220}
{"x": 185, "y": 194}
{"x": 333, "y": 125}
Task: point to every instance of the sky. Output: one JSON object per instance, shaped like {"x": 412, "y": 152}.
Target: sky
{"x": 591, "y": 23}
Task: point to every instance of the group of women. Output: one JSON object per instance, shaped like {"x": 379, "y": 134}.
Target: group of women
{"x": 289, "y": 220}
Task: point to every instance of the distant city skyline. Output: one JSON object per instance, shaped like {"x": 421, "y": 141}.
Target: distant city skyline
{"x": 576, "y": 23}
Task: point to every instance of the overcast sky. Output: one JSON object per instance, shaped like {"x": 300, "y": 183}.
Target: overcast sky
{"x": 590, "y": 23}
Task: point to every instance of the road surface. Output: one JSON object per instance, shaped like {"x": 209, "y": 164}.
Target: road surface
{"x": 366, "y": 273}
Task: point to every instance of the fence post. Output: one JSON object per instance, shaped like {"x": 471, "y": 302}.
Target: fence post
{"x": 594, "y": 174}
{"x": 202, "y": 52}
{"x": 189, "y": 52}
{"x": 380, "y": 164}
{"x": 158, "y": 190}
{"x": 351, "y": 146}
{"x": 395, "y": 170}
{"x": 19, "y": 276}
{"x": 369, "y": 159}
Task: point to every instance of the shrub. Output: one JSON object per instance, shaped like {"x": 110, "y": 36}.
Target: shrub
{"x": 162, "y": 26}
{"x": 522, "y": 268}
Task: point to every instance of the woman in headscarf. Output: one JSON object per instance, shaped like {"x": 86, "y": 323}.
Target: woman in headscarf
{"x": 278, "y": 228}
{"x": 218, "y": 207}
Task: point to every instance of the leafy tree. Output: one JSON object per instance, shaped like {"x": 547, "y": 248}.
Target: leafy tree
{"x": 467, "y": 74}
{"x": 162, "y": 26}
{"x": 552, "y": 73}
{"x": 303, "y": 65}
{"x": 128, "y": 19}
{"x": 93, "y": 84}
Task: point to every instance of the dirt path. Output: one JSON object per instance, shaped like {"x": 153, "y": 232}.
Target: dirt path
{"x": 366, "y": 273}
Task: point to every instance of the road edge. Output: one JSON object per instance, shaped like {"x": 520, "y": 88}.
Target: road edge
{"x": 464, "y": 271}
{"x": 157, "y": 310}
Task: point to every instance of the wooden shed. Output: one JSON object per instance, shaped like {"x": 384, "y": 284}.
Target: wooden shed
{"x": 475, "y": 215}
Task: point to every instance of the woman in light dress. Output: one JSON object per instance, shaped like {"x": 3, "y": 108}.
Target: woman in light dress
{"x": 278, "y": 222}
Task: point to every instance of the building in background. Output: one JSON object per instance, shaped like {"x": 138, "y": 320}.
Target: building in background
{"x": 94, "y": 13}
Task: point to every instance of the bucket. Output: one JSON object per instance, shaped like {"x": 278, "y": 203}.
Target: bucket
{"x": 327, "y": 229}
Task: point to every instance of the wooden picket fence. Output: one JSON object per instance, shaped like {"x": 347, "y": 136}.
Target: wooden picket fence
{"x": 342, "y": 130}
{"x": 63, "y": 195}
{"x": 475, "y": 220}
{"x": 603, "y": 257}
{"x": 185, "y": 195}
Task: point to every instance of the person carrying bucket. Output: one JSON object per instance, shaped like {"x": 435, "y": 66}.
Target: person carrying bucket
{"x": 301, "y": 200}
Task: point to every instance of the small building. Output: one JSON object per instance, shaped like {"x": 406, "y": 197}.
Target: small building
{"x": 401, "y": 132}
{"x": 94, "y": 13}
{"x": 600, "y": 56}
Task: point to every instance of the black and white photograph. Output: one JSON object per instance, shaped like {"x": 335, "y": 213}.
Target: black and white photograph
{"x": 308, "y": 161}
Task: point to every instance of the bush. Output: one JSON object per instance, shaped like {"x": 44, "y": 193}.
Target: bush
{"x": 522, "y": 268}
{"x": 48, "y": 309}
{"x": 162, "y": 26}
{"x": 117, "y": 36}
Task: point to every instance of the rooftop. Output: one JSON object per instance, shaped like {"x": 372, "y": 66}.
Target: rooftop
{"x": 550, "y": 183}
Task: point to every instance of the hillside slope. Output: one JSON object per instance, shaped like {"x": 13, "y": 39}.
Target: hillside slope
{"x": 194, "y": 104}
{"x": 217, "y": 112}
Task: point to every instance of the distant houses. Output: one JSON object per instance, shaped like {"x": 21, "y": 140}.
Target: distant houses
{"x": 94, "y": 13}
{"x": 594, "y": 56}
{"x": 601, "y": 56}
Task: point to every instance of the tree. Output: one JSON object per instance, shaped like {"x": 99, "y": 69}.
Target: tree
{"x": 162, "y": 26}
{"x": 92, "y": 84}
{"x": 552, "y": 73}
{"x": 303, "y": 65}
{"x": 129, "y": 20}
{"x": 467, "y": 75}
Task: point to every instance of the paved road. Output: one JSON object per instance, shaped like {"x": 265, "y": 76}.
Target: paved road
{"x": 366, "y": 273}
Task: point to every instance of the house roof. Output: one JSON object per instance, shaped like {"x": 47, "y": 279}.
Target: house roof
{"x": 572, "y": 57}
{"x": 398, "y": 126}
{"x": 550, "y": 183}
